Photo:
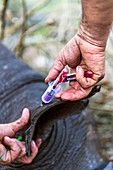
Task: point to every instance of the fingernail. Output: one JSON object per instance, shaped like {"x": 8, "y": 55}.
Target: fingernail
{"x": 25, "y": 110}
{"x": 77, "y": 68}
{"x": 38, "y": 142}
{"x": 7, "y": 138}
{"x": 46, "y": 79}
{"x": 33, "y": 144}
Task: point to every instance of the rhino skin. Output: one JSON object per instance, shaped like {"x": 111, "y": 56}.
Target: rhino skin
{"x": 67, "y": 128}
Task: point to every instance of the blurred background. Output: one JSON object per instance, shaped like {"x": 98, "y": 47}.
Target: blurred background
{"x": 37, "y": 30}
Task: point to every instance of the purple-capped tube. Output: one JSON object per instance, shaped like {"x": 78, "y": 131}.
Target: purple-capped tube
{"x": 54, "y": 86}
{"x": 50, "y": 92}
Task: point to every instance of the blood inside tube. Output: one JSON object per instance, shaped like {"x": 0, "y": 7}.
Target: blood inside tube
{"x": 70, "y": 77}
{"x": 61, "y": 77}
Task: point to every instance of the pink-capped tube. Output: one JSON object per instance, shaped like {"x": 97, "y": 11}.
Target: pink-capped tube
{"x": 72, "y": 76}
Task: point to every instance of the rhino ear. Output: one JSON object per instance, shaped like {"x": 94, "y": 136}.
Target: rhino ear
{"x": 45, "y": 115}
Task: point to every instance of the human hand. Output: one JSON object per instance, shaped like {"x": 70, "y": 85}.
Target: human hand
{"x": 17, "y": 149}
{"x": 80, "y": 55}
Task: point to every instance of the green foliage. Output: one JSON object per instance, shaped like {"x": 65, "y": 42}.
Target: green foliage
{"x": 43, "y": 31}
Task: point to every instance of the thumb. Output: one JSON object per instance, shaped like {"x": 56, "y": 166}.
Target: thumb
{"x": 85, "y": 82}
{"x": 21, "y": 122}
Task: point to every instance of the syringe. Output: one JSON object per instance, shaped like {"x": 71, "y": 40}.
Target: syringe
{"x": 55, "y": 86}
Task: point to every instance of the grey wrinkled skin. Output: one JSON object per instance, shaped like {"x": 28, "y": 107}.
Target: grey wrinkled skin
{"x": 69, "y": 138}
{"x": 109, "y": 166}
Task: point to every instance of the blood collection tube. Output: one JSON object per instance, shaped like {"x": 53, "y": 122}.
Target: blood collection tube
{"x": 72, "y": 76}
{"x": 54, "y": 87}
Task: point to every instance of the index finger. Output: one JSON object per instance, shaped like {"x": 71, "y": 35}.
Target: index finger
{"x": 10, "y": 129}
{"x": 55, "y": 70}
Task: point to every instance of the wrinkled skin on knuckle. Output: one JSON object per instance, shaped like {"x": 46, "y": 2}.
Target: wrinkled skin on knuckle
{"x": 59, "y": 62}
{"x": 73, "y": 55}
{"x": 4, "y": 131}
{"x": 70, "y": 54}
{"x": 62, "y": 57}
{"x": 58, "y": 65}
{"x": 86, "y": 86}
{"x": 93, "y": 58}
{"x": 22, "y": 122}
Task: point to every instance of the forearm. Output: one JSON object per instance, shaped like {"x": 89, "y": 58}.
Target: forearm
{"x": 97, "y": 17}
